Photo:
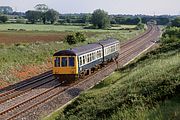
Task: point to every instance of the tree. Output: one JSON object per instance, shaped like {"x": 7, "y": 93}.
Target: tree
{"x": 176, "y": 22}
{"x": 100, "y": 19}
{"x": 6, "y": 9}
{"x": 41, "y": 8}
{"x": 52, "y": 15}
{"x": 33, "y": 16}
{"x": 3, "y": 19}
{"x": 86, "y": 18}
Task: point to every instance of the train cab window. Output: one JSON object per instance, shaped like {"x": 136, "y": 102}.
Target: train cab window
{"x": 71, "y": 61}
{"x": 64, "y": 62}
{"x": 57, "y": 62}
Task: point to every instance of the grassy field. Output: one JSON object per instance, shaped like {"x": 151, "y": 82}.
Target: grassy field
{"x": 26, "y": 33}
{"x": 28, "y": 49}
{"x": 34, "y": 27}
{"x": 147, "y": 89}
{"x": 52, "y": 28}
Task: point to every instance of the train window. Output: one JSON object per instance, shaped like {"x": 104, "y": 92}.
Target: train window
{"x": 99, "y": 54}
{"x": 83, "y": 59}
{"x": 117, "y": 46}
{"x": 71, "y": 61}
{"x": 80, "y": 60}
{"x": 107, "y": 50}
{"x": 57, "y": 62}
{"x": 112, "y": 48}
{"x": 64, "y": 62}
{"x": 88, "y": 58}
{"x": 93, "y": 56}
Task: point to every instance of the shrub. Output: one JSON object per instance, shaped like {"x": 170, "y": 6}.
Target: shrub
{"x": 75, "y": 38}
{"x": 80, "y": 37}
{"x": 171, "y": 35}
{"x": 3, "y": 19}
{"x": 71, "y": 39}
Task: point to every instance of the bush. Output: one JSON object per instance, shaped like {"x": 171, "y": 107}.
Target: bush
{"x": 171, "y": 35}
{"x": 3, "y": 19}
{"x": 80, "y": 37}
{"x": 75, "y": 38}
{"x": 71, "y": 39}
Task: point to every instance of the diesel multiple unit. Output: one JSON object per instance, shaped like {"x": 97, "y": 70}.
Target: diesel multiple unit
{"x": 80, "y": 60}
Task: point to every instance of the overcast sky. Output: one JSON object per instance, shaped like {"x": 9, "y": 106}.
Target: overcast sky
{"x": 170, "y": 7}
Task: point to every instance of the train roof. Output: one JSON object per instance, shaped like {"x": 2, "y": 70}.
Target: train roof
{"x": 65, "y": 53}
{"x": 108, "y": 42}
{"x": 86, "y": 48}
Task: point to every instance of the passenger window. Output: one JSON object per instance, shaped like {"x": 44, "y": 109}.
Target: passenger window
{"x": 71, "y": 61}
{"x": 80, "y": 60}
{"x": 83, "y": 59}
{"x": 57, "y": 62}
{"x": 64, "y": 62}
{"x": 88, "y": 58}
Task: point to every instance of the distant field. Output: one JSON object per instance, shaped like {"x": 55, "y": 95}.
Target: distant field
{"x": 32, "y": 27}
{"x": 26, "y": 37}
{"x": 116, "y": 27}
{"x": 53, "y": 28}
{"x": 24, "y": 33}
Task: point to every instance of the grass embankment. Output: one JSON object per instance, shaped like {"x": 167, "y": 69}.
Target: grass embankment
{"x": 18, "y": 61}
{"x": 149, "y": 89}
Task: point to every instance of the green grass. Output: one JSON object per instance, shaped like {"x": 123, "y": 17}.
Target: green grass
{"x": 146, "y": 89}
{"x": 53, "y": 28}
{"x": 34, "y": 27}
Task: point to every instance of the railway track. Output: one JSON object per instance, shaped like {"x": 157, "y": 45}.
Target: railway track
{"x": 44, "y": 95}
{"x": 24, "y": 88}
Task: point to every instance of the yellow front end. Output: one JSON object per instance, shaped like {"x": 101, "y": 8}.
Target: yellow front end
{"x": 64, "y": 65}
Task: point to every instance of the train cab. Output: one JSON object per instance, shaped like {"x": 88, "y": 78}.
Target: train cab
{"x": 65, "y": 63}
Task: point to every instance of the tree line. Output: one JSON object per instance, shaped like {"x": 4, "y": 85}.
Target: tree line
{"x": 99, "y": 18}
{"x": 45, "y": 17}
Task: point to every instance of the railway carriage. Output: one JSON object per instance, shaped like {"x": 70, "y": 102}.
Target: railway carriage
{"x": 81, "y": 60}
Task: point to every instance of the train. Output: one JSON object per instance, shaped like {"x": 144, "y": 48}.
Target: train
{"x": 77, "y": 62}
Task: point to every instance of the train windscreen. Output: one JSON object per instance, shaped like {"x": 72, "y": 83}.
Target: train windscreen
{"x": 71, "y": 61}
{"x": 57, "y": 62}
{"x": 64, "y": 62}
